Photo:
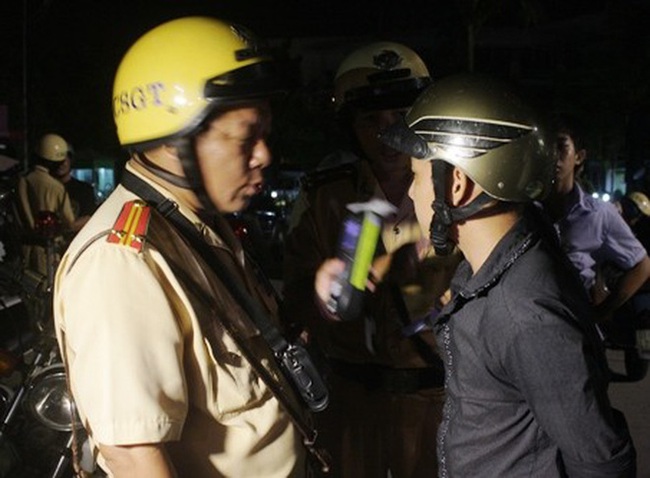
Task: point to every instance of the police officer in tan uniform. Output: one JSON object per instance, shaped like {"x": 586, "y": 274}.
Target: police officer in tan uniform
{"x": 39, "y": 192}
{"x": 166, "y": 368}
{"x": 386, "y": 383}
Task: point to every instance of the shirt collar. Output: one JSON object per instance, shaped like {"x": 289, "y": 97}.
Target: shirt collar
{"x": 576, "y": 199}
{"x": 515, "y": 243}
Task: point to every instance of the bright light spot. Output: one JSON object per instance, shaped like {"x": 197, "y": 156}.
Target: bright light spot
{"x": 457, "y": 140}
{"x": 455, "y": 151}
{"x": 595, "y": 195}
{"x": 274, "y": 194}
{"x": 606, "y": 197}
{"x": 180, "y": 100}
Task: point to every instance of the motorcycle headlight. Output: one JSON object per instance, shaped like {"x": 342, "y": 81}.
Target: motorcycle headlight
{"x": 48, "y": 400}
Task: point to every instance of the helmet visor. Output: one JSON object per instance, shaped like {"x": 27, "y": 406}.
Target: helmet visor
{"x": 403, "y": 139}
{"x": 258, "y": 80}
{"x": 388, "y": 95}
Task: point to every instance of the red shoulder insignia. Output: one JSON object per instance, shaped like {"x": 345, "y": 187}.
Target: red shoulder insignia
{"x": 130, "y": 229}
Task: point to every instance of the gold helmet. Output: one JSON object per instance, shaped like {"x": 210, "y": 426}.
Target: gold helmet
{"x": 479, "y": 126}
{"x": 381, "y": 75}
{"x": 176, "y": 74}
{"x": 52, "y": 147}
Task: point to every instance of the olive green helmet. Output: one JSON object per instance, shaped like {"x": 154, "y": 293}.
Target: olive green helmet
{"x": 477, "y": 125}
{"x": 481, "y": 127}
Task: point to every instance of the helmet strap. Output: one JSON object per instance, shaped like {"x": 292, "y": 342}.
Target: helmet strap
{"x": 190, "y": 163}
{"x": 444, "y": 215}
{"x": 156, "y": 170}
{"x": 442, "y": 219}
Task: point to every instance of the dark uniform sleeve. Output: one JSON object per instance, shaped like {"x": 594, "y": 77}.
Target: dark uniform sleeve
{"x": 559, "y": 370}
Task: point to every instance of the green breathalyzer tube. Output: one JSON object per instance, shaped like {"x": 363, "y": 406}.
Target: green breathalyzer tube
{"x": 357, "y": 245}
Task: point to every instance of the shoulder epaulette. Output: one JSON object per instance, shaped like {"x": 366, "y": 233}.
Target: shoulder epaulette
{"x": 319, "y": 178}
{"x": 130, "y": 229}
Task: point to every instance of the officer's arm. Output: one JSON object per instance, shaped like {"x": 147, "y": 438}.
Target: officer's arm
{"x": 66, "y": 214}
{"x": 138, "y": 461}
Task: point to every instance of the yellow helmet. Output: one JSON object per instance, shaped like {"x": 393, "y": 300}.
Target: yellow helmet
{"x": 52, "y": 147}
{"x": 641, "y": 201}
{"x": 177, "y": 73}
{"x": 380, "y": 75}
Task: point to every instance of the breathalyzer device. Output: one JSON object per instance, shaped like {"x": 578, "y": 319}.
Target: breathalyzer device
{"x": 357, "y": 244}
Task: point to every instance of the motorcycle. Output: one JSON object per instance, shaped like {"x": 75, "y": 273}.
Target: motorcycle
{"x": 37, "y": 417}
{"x": 38, "y": 422}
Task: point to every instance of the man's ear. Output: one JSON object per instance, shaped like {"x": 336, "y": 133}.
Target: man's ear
{"x": 461, "y": 187}
{"x": 581, "y": 157}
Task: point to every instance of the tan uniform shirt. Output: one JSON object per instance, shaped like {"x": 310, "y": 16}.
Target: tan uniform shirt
{"x": 39, "y": 191}
{"x": 141, "y": 370}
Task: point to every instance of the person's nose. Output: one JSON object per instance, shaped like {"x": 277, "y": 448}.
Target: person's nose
{"x": 261, "y": 157}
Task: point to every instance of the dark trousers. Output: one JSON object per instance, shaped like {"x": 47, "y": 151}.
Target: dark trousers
{"x": 371, "y": 431}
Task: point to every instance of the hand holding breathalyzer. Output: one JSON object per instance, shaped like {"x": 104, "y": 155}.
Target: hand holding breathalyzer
{"x": 327, "y": 273}
{"x": 357, "y": 244}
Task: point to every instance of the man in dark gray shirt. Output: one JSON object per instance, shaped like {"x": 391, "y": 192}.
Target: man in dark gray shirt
{"x": 526, "y": 377}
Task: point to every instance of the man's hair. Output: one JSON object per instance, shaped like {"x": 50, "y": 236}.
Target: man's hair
{"x": 572, "y": 126}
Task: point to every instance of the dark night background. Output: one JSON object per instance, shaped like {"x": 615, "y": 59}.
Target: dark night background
{"x": 58, "y": 58}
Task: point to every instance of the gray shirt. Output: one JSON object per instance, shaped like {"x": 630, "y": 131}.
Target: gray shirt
{"x": 525, "y": 372}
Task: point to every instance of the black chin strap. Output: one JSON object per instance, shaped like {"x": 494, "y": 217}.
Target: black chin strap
{"x": 190, "y": 163}
{"x": 171, "y": 178}
{"x": 439, "y": 229}
{"x": 444, "y": 215}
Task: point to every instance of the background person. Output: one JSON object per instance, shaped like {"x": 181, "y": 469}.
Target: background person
{"x": 635, "y": 209}
{"x": 38, "y": 192}
{"x": 176, "y": 385}
{"x": 386, "y": 388}
{"x": 633, "y": 314}
{"x": 592, "y": 232}
{"x": 81, "y": 193}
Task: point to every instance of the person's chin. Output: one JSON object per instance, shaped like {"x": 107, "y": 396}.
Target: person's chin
{"x": 243, "y": 203}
